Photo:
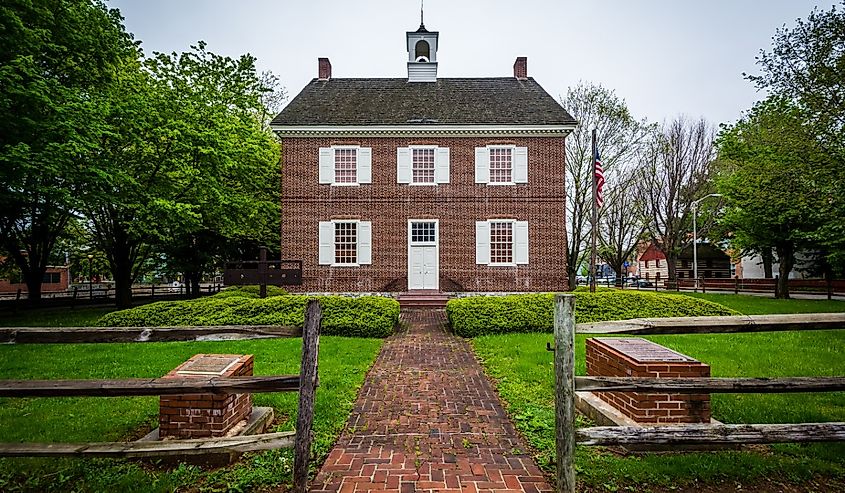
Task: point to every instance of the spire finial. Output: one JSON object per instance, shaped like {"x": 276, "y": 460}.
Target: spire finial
{"x": 422, "y": 24}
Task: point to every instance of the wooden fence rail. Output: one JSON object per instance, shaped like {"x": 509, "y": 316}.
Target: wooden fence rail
{"x": 566, "y": 384}
{"x": 306, "y": 383}
{"x": 73, "y": 335}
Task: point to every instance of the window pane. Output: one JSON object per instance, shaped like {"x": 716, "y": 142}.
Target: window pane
{"x": 500, "y": 165}
{"x": 346, "y": 243}
{"x": 423, "y": 232}
{"x": 501, "y": 243}
{"x": 345, "y": 166}
{"x": 423, "y": 166}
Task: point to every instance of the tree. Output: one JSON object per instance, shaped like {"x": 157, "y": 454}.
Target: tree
{"x": 55, "y": 58}
{"x": 770, "y": 194}
{"x": 621, "y": 223}
{"x": 675, "y": 171}
{"x": 189, "y": 158}
{"x": 806, "y": 66}
{"x": 618, "y": 134}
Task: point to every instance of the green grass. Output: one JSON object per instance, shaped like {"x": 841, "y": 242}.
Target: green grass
{"x": 343, "y": 365}
{"x": 759, "y": 305}
{"x": 56, "y": 317}
{"x": 523, "y": 372}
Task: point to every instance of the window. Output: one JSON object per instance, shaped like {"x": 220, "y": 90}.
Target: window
{"x": 345, "y": 243}
{"x": 657, "y": 263}
{"x": 51, "y": 278}
{"x": 345, "y": 165}
{"x": 501, "y": 242}
{"x": 423, "y": 232}
{"x": 646, "y": 264}
{"x": 680, "y": 274}
{"x": 500, "y": 165}
{"x": 422, "y": 165}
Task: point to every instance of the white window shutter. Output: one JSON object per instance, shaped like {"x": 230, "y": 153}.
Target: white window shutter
{"x": 365, "y": 242}
{"x": 441, "y": 165}
{"x": 326, "y": 243}
{"x": 326, "y": 165}
{"x": 520, "y": 165}
{"x": 482, "y": 242}
{"x": 403, "y": 165}
{"x": 482, "y": 165}
{"x": 365, "y": 165}
{"x": 520, "y": 242}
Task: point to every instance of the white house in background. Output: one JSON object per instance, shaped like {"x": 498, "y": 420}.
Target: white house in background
{"x": 751, "y": 267}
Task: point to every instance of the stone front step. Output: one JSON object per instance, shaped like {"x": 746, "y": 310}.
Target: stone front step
{"x": 422, "y": 299}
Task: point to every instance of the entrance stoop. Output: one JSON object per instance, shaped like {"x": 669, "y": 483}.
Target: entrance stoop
{"x": 422, "y": 298}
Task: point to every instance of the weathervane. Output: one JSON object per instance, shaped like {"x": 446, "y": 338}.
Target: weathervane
{"x": 422, "y": 24}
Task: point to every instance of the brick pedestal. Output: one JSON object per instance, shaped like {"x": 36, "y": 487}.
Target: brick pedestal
{"x": 205, "y": 415}
{"x": 635, "y": 357}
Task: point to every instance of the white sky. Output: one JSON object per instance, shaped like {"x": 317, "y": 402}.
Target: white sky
{"x": 664, "y": 57}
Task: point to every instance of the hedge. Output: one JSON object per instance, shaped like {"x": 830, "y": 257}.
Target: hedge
{"x": 481, "y": 315}
{"x": 367, "y": 316}
{"x": 252, "y": 291}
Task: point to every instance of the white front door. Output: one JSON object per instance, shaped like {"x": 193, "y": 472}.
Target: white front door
{"x": 423, "y": 262}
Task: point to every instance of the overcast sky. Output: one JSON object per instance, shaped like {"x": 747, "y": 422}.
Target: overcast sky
{"x": 663, "y": 57}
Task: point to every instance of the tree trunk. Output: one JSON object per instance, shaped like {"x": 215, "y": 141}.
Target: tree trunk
{"x": 122, "y": 271}
{"x": 672, "y": 265}
{"x": 786, "y": 260}
{"x": 33, "y": 279}
{"x": 767, "y": 256}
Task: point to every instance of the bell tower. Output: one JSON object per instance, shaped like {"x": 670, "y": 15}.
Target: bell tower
{"x": 422, "y": 53}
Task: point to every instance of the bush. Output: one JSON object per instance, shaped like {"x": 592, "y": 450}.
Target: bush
{"x": 249, "y": 291}
{"x": 368, "y": 316}
{"x": 481, "y": 315}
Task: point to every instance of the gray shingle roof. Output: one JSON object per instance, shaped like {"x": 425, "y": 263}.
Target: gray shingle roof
{"x": 476, "y": 101}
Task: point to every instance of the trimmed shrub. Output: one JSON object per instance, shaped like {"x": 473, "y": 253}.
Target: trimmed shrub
{"x": 251, "y": 291}
{"x": 481, "y": 315}
{"x": 368, "y": 316}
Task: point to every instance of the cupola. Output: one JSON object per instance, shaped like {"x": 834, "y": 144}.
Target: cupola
{"x": 422, "y": 54}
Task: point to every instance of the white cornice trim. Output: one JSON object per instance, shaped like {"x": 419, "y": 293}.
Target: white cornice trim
{"x": 417, "y": 130}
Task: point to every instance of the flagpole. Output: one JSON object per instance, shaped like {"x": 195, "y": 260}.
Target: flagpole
{"x": 595, "y": 217}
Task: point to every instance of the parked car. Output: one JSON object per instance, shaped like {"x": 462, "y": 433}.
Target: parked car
{"x": 641, "y": 283}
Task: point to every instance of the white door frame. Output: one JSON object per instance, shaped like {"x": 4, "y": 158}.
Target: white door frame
{"x": 436, "y": 246}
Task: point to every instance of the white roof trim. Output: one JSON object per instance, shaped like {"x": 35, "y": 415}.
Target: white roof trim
{"x": 452, "y": 130}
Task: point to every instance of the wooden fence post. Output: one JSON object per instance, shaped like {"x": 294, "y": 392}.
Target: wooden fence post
{"x": 308, "y": 382}
{"x": 73, "y": 299}
{"x": 703, "y": 287}
{"x": 736, "y": 285}
{"x": 565, "y": 391}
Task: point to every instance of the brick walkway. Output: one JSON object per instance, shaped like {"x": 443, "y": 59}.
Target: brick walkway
{"x": 427, "y": 419}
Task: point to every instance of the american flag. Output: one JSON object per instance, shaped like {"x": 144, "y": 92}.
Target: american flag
{"x": 599, "y": 171}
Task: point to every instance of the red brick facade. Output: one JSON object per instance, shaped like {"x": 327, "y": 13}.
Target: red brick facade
{"x": 604, "y": 360}
{"x": 205, "y": 415}
{"x": 61, "y": 274}
{"x": 457, "y": 205}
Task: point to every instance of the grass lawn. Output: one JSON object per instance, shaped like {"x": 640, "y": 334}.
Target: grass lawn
{"x": 759, "y": 305}
{"x": 523, "y": 371}
{"x": 55, "y": 317}
{"x": 343, "y": 365}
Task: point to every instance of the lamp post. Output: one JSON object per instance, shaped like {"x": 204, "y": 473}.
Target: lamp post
{"x": 90, "y": 277}
{"x": 695, "y": 236}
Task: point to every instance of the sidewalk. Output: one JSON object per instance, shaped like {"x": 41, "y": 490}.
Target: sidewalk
{"x": 427, "y": 419}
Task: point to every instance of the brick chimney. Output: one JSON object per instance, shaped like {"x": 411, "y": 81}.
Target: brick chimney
{"x": 520, "y": 68}
{"x": 324, "y": 69}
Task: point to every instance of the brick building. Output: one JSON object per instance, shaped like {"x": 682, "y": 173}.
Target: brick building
{"x": 424, "y": 183}
{"x": 56, "y": 279}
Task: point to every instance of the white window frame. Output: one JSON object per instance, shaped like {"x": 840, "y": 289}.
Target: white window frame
{"x": 434, "y": 170}
{"x": 519, "y": 165}
{"x": 363, "y": 167}
{"x": 489, "y": 173}
{"x": 515, "y": 235}
{"x": 359, "y": 253}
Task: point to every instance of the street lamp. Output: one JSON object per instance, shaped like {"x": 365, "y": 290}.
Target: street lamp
{"x": 695, "y": 236}
{"x": 90, "y": 277}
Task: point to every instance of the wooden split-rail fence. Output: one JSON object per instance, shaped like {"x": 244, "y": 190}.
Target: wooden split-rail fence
{"x": 305, "y": 383}
{"x": 566, "y": 384}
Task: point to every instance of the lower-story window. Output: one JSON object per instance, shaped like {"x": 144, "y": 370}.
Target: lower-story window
{"x": 501, "y": 242}
{"x": 345, "y": 243}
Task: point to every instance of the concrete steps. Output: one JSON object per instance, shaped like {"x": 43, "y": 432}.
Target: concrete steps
{"x": 422, "y": 299}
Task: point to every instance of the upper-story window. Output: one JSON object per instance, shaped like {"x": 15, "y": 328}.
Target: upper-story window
{"x": 422, "y": 165}
{"x": 345, "y": 165}
{"x": 501, "y": 165}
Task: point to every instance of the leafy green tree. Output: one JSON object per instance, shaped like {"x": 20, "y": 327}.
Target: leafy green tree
{"x": 189, "y": 159}
{"x": 770, "y": 193}
{"x": 56, "y": 56}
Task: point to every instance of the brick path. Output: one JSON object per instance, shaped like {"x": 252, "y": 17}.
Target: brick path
{"x": 427, "y": 419}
